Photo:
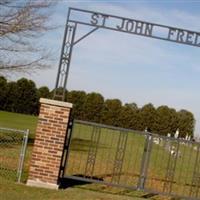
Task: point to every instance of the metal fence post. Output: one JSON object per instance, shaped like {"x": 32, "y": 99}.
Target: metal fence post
{"x": 65, "y": 153}
{"x": 195, "y": 184}
{"x": 22, "y": 155}
{"x": 171, "y": 167}
{"x": 145, "y": 161}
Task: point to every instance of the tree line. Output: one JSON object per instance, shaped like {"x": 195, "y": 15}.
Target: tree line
{"x": 23, "y": 96}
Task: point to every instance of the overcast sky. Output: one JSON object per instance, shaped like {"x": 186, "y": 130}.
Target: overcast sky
{"x": 129, "y": 67}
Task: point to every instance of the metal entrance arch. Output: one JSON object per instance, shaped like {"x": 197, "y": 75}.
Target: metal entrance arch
{"x": 98, "y": 20}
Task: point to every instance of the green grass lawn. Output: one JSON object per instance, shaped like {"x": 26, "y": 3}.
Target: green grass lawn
{"x": 18, "y": 121}
{"x": 14, "y": 191}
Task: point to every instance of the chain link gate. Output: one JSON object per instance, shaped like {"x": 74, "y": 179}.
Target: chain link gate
{"x": 13, "y": 145}
{"x": 132, "y": 159}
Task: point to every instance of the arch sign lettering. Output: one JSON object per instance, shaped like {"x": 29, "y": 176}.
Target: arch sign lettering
{"x": 98, "y": 20}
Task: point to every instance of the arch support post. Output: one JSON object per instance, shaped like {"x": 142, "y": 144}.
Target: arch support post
{"x": 49, "y": 143}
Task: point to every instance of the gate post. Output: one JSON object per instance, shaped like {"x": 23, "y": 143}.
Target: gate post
{"x": 145, "y": 161}
{"x": 49, "y": 143}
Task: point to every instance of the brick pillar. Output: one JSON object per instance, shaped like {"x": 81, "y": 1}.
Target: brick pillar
{"x": 48, "y": 144}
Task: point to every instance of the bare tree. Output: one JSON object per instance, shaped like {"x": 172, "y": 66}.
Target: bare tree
{"x": 22, "y": 23}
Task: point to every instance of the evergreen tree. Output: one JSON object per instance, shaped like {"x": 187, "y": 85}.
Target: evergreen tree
{"x": 165, "y": 120}
{"x": 3, "y": 88}
{"x": 173, "y": 120}
{"x": 11, "y": 97}
{"x": 162, "y": 117}
{"x": 27, "y": 97}
{"x": 148, "y": 114}
{"x": 111, "y": 112}
{"x": 128, "y": 117}
{"x": 43, "y": 92}
{"x": 93, "y": 107}
{"x": 186, "y": 123}
{"x": 77, "y": 98}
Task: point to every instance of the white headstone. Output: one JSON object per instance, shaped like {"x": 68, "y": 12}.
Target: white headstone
{"x": 177, "y": 133}
{"x": 186, "y": 137}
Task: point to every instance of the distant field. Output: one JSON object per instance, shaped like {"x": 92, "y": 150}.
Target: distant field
{"x": 18, "y": 121}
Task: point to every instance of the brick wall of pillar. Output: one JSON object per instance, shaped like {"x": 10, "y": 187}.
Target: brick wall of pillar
{"x": 49, "y": 142}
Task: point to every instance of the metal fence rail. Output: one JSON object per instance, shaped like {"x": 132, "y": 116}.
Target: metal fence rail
{"x": 134, "y": 160}
{"x": 13, "y": 145}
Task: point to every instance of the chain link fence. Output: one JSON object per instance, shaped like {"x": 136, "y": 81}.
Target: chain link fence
{"x": 13, "y": 144}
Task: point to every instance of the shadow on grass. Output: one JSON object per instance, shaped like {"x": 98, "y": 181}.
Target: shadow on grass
{"x": 31, "y": 141}
{"x": 68, "y": 182}
{"x": 83, "y": 145}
